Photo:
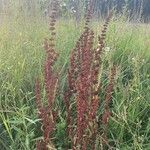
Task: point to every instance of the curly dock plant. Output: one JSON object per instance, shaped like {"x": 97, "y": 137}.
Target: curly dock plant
{"x": 47, "y": 114}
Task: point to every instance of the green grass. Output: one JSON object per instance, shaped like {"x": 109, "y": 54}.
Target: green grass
{"x": 21, "y": 61}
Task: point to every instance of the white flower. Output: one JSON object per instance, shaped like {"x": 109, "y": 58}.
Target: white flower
{"x": 97, "y": 49}
{"x": 64, "y": 4}
{"x": 133, "y": 59}
{"x": 107, "y": 49}
{"x": 74, "y": 11}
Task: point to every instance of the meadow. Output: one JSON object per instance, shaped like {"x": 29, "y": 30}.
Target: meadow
{"x": 21, "y": 61}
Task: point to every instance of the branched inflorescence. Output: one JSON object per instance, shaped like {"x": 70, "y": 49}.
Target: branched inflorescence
{"x": 81, "y": 97}
{"x": 84, "y": 86}
{"x": 47, "y": 114}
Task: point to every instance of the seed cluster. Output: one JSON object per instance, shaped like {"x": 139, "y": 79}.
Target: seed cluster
{"x": 81, "y": 97}
{"x": 47, "y": 114}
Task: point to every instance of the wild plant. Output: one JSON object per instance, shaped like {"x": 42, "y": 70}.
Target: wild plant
{"x": 48, "y": 114}
{"x": 84, "y": 87}
{"x": 81, "y": 97}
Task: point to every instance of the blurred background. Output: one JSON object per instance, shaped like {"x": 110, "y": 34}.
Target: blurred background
{"x": 134, "y": 10}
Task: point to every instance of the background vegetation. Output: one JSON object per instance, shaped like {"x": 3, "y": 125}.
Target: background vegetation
{"x": 21, "y": 61}
{"x": 136, "y": 9}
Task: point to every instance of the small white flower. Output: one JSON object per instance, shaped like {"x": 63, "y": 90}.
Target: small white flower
{"x": 74, "y": 11}
{"x": 107, "y": 49}
{"x": 64, "y": 4}
{"x": 97, "y": 49}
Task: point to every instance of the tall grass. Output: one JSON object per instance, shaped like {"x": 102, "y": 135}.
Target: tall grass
{"x": 21, "y": 60}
